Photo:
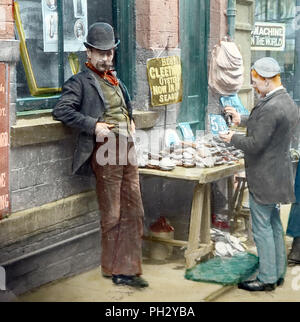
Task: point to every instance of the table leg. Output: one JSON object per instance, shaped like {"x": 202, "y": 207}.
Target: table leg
{"x": 231, "y": 202}
{"x": 206, "y": 217}
{"x": 199, "y": 232}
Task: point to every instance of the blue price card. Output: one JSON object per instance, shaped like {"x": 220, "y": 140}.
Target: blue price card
{"x": 234, "y": 101}
{"x": 186, "y": 131}
{"x": 217, "y": 124}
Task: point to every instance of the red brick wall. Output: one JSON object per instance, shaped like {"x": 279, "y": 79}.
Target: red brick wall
{"x": 6, "y": 19}
{"x": 218, "y": 21}
{"x": 157, "y": 23}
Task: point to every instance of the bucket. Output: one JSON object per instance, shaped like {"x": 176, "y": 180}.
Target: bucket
{"x": 161, "y": 229}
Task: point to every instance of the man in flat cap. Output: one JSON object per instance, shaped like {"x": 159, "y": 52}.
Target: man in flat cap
{"x": 270, "y": 128}
{"x": 97, "y": 103}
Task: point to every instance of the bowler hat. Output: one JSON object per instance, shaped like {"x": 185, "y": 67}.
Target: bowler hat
{"x": 101, "y": 36}
{"x": 266, "y": 67}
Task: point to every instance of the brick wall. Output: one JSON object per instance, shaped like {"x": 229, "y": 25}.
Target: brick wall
{"x": 157, "y": 23}
{"x": 218, "y": 24}
{"x": 6, "y": 19}
{"x": 41, "y": 174}
{"x": 53, "y": 241}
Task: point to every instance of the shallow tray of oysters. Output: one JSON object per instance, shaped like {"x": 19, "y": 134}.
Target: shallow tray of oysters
{"x": 207, "y": 152}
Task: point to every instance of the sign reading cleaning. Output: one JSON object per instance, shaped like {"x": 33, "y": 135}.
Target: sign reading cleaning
{"x": 164, "y": 77}
{"x": 268, "y": 36}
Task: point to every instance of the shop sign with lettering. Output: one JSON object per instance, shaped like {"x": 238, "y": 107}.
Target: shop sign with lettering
{"x": 165, "y": 81}
{"x": 268, "y": 36}
{"x": 4, "y": 140}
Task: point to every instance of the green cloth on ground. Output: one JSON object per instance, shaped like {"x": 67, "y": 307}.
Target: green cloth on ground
{"x": 224, "y": 270}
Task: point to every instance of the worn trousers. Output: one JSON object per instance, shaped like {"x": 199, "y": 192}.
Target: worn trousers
{"x": 269, "y": 239}
{"x": 121, "y": 210}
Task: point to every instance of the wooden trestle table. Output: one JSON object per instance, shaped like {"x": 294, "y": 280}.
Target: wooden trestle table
{"x": 199, "y": 242}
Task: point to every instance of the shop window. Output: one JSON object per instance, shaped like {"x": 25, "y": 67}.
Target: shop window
{"x": 279, "y": 13}
{"x": 51, "y": 34}
{"x": 194, "y": 15}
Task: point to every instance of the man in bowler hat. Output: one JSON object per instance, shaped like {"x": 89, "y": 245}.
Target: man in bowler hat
{"x": 97, "y": 103}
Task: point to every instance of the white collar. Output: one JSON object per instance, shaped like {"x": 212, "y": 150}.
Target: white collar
{"x": 275, "y": 90}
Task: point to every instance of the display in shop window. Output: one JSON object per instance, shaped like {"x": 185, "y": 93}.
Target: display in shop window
{"x": 39, "y": 46}
{"x": 41, "y": 69}
{"x": 51, "y": 4}
{"x": 75, "y": 25}
{"x": 40, "y": 72}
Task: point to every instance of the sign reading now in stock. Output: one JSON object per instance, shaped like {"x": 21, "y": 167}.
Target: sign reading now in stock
{"x": 4, "y": 140}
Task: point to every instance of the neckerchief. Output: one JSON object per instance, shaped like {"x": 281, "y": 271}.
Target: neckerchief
{"x": 107, "y": 75}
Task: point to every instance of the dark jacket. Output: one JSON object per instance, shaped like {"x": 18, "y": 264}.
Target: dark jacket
{"x": 270, "y": 128}
{"x": 81, "y": 106}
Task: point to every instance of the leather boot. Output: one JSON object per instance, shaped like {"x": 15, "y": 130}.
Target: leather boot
{"x": 134, "y": 281}
{"x": 256, "y": 285}
{"x": 294, "y": 255}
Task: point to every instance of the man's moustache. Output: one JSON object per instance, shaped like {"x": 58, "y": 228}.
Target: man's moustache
{"x": 104, "y": 66}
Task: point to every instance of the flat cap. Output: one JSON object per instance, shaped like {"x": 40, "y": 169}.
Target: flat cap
{"x": 266, "y": 67}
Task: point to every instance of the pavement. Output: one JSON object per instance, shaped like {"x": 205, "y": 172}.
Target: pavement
{"x": 289, "y": 292}
{"x": 166, "y": 284}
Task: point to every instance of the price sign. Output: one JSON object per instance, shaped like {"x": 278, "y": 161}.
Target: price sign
{"x": 234, "y": 101}
{"x": 217, "y": 124}
{"x": 186, "y": 131}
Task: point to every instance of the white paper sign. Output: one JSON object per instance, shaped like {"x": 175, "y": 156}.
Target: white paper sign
{"x": 268, "y": 36}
